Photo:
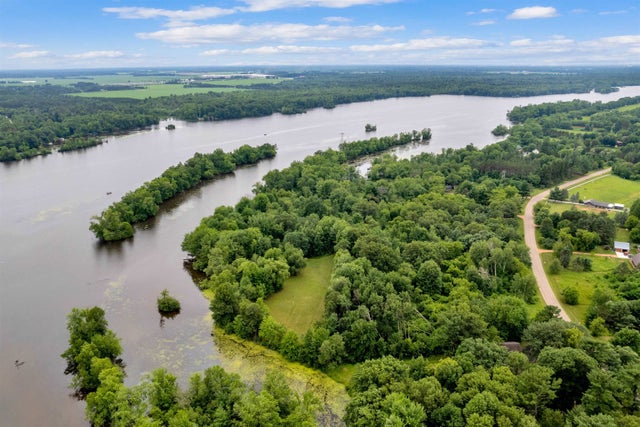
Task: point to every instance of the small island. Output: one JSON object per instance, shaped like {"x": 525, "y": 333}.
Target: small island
{"x": 171, "y": 126}
{"x": 168, "y": 305}
{"x": 370, "y": 128}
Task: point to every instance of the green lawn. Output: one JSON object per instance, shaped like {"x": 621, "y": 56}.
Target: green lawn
{"x": 154, "y": 91}
{"x": 585, "y": 282}
{"x": 611, "y": 188}
{"x": 301, "y": 301}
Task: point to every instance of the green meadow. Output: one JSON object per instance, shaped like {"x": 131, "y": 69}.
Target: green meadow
{"x": 300, "y": 303}
{"x": 154, "y": 91}
{"x": 584, "y": 281}
{"x": 610, "y": 188}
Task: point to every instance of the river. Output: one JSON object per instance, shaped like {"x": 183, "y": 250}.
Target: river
{"x": 50, "y": 262}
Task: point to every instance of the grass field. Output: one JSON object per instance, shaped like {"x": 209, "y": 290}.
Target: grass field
{"x": 585, "y": 282}
{"x": 301, "y": 301}
{"x": 610, "y": 188}
{"x": 629, "y": 107}
{"x": 154, "y": 91}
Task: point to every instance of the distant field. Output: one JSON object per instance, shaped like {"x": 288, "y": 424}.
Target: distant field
{"x": 301, "y": 301}
{"x": 154, "y": 85}
{"x": 154, "y": 91}
{"x": 629, "y": 107}
{"x": 585, "y": 282}
{"x": 611, "y": 188}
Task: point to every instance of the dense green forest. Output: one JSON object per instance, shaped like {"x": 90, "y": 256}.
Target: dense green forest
{"x": 35, "y": 118}
{"x": 115, "y": 222}
{"x": 431, "y": 275}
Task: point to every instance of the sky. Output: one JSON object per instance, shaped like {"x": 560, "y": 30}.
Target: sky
{"x": 51, "y": 34}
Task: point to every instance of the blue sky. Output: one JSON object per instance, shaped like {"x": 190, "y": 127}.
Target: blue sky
{"x": 142, "y": 33}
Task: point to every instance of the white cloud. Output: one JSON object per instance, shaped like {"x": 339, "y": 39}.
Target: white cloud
{"x": 481, "y": 11}
{"x": 96, "y": 54}
{"x": 237, "y": 33}
{"x": 338, "y": 19}
{"x": 632, "y": 40}
{"x": 521, "y": 42}
{"x": 534, "y": 12}
{"x": 193, "y": 14}
{"x": 422, "y": 44}
{"x": 290, "y": 49}
{"x": 4, "y": 45}
{"x": 31, "y": 54}
{"x": 214, "y": 52}
{"x": 266, "y": 5}
{"x": 613, "y": 12}
{"x": 484, "y": 23}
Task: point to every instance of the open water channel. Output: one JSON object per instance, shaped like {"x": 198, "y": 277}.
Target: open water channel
{"x": 50, "y": 262}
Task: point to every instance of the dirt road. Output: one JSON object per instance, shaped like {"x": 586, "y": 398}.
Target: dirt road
{"x": 530, "y": 239}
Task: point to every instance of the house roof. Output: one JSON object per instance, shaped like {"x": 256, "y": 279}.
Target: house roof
{"x": 635, "y": 260}
{"x": 625, "y": 246}
{"x": 598, "y": 203}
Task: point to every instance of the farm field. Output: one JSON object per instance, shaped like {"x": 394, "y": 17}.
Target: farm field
{"x": 301, "y": 301}
{"x": 610, "y": 188}
{"x": 155, "y": 85}
{"x": 153, "y": 91}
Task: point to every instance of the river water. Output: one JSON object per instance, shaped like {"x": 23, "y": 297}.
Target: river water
{"x": 50, "y": 262}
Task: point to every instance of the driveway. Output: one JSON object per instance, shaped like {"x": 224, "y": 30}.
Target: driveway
{"x": 530, "y": 240}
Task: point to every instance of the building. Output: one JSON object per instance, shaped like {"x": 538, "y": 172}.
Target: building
{"x": 598, "y": 204}
{"x": 622, "y": 247}
{"x": 635, "y": 261}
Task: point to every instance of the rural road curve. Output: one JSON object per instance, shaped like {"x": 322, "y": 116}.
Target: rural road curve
{"x": 530, "y": 240}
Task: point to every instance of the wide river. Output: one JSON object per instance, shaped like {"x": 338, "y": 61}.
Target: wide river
{"x": 50, "y": 262}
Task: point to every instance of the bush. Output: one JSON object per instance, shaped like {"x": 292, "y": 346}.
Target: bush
{"x": 168, "y": 304}
{"x": 581, "y": 264}
{"x": 570, "y": 295}
{"x": 555, "y": 267}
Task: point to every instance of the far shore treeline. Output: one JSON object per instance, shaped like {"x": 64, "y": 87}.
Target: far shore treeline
{"x": 34, "y": 118}
{"x": 115, "y": 222}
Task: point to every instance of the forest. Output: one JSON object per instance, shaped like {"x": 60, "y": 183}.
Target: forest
{"x": 431, "y": 296}
{"x": 35, "y": 119}
{"x": 431, "y": 275}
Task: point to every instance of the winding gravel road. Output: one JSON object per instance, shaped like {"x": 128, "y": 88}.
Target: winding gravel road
{"x": 530, "y": 240}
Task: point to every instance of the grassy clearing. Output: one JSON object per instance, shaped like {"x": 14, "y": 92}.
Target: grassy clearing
{"x": 629, "y": 107}
{"x": 611, "y": 188}
{"x": 301, "y": 301}
{"x": 343, "y": 373}
{"x": 584, "y": 282}
{"x": 155, "y": 91}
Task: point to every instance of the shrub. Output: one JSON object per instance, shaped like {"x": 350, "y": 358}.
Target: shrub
{"x": 555, "y": 267}
{"x": 168, "y": 304}
{"x": 570, "y": 295}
